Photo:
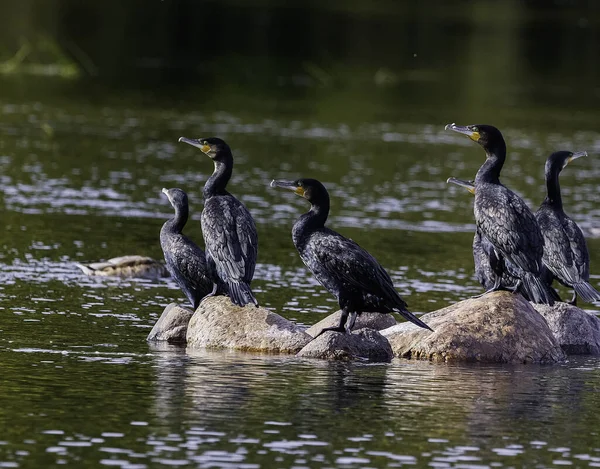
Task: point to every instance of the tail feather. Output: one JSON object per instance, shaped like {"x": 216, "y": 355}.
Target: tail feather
{"x": 586, "y": 292}
{"x": 538, "y": 291}
{"x": 412, "y": 318}
{"x": 241, "y": 294}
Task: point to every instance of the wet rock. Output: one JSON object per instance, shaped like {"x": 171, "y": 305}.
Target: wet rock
{"x": 172, "y": 325}
{"x": 126, "y": 266}
{"x": 577, "y": 331}
{"x": 366, "y": 344}
{"x": 499, "y": 327}
{"x": 218, "y": 323}
{"x": 377, "y": 321}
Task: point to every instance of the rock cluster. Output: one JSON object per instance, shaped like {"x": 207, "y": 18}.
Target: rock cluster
{"x": 500, "y": 327}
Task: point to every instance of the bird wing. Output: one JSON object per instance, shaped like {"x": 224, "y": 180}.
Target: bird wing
{"x": 558, "y": 256}
{"x": 343, "y": 259}
{"x": 581, "y": 256}
{"x": 192, "y": 264}
{"x": 506, "y": 221}
{"x": 230, "y": 238}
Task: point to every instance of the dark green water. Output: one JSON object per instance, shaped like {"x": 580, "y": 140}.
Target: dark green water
{"x": 356, "y": 95}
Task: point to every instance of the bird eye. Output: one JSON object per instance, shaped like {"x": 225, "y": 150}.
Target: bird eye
{"x": 474, "y": 128}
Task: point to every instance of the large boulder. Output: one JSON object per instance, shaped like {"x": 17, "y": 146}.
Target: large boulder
{"x": 377, "y": 321}
{"x": 499, "y": 327}
{"x": 218, "y": 323}
{"x": 577, "y": 331}
{"x": 365, "y": 344}
{"x": 172, "y": 325}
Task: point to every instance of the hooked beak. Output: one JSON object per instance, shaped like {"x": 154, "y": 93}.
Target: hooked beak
{"x": 195, "y": 143}
{"x": 575, "y": 155}
{"x": 165, "y": 191}
{"x": 469, "y": 185}
{"x": 463, "y": 130}
{"x": 289, "y": 185}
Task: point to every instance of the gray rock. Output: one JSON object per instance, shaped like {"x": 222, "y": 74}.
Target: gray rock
{"x": 218, "y": 323}
{"x": 172, "y": 325}
{"x": 377, "y": 321}
{"x": 365, "y": 344}
{"x": 577, "y": 331}
{"x": 499, "y": 327}
{"x": 126, "y": 266}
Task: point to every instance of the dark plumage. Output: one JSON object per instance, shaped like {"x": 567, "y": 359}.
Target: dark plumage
{"x": 349, "y": 272}
{"x": 186, "y": 262}
{"x": 230, "y": 237}
{"x": 504, "y": 218}
{"x": 490, "y": 267}
{"x": 565, "y": 250}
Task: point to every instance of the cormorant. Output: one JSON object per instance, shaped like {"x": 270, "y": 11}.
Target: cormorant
{"x": 489, "y": 265}
{"x": 230, "y": 236}
{"x": 350, "y": 273}
{"x": 504, "y": 218}
{"x": 125, "y": 267}
{"x": 565, "y": 251}
{"x": 185, "y": 260}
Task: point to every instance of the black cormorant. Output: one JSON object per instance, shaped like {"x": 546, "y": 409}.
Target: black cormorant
{"x": 489, "y": 265}
{"x": 565, "y": 251}
{"x": 230, "y": 237}
{"x": 126, "y": 267}
{"x": 350, "y": 273}
{"x": 185, "y": 260}
{"x": 504, "y": 218}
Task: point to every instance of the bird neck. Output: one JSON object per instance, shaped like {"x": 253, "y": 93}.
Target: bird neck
{"x": 490, "y": 170}
{"x": 177, "y": 223}
{"x": 553, "y": 197}
{"x": 309, "y": 222}
{"x": 217, "y": 182}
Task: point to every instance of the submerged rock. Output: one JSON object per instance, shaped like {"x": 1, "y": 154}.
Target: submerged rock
{"x": 577, "y": 331}
{"x": 172, "y": 325}
{"x": 218, "y": 323}
{"x": 499, "y": 327}
{"x": 126, "y": 266}
{"x": 365, "y": 344}
{"x": 377, "y": 321}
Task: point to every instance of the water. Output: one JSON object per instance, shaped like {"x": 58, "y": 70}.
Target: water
{"x": 83, "y": 159}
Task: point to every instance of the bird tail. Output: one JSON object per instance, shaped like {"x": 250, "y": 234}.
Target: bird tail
{"x": 538, "y": 291}
{"x": 586, "y": 292}
{"x": 240, "y": 293}
{"x": 406, "y": 314}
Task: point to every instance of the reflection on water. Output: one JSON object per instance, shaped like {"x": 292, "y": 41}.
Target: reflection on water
{"x": 222, "y": 409}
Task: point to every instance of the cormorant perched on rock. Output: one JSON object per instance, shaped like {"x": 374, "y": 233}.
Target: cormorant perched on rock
{"x": 565, "y": 251}
{"x": 125, "y": 267}
{"x": 349, "y": 272}
{"x": 230, "y": 237}
{"x": 489, "y": 265}
{"x": 504, "y": 218}
{"x": 185, "y": 260}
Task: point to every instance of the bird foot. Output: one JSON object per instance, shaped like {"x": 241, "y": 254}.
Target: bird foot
{"x": 491, "y": 290}
{"x": 212, "y": 293}
{"x": 333, "y": 329}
